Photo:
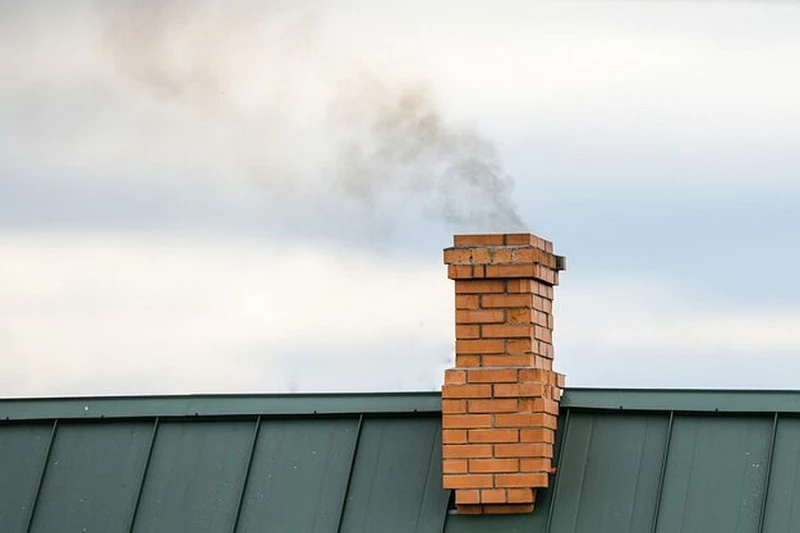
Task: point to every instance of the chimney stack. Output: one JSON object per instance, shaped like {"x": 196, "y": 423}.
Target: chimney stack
{"x": 500, "y": 402}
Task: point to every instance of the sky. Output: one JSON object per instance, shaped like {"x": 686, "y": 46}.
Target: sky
{"x": 209, "y": 197}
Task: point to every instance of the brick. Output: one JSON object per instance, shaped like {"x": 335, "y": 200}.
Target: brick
{"x": 465, "y": 451}
{"x": 517, "y": 346}
{"x": 468, "y": 361}
{"x": 521, "y": 495}
{"x": 466, "y": 391}
{"x": 457, "y": 256}
{"x": 519, "y": 239}
{"x": 468, "y": 509}
{"x": 520, "y": 286}
{"x": 530, "y": 254}
{"x": 523, "y": 450}
{"x": 522, "y": 315}
{"x": 493, "y": 496}
{"x": 467, "y": 301}
{"x": 480, "y": 346}
{"x": 480, "y": 286}
{"x": 543, "y": 334}
{"x": 454, "y": 406}
{"x": 537, "y": 375}
{"x": 508, "y": 509}
{"x": 492, "y": 375}
{"x": 454, "y": 466}
{"x": 480, "y": 255}
{"x": 505, "y": 331}
{"x": 517, "y": 390}
{"x": 470, "y": 481}
{"x": 541, "y": 435}
{"x": 502, "y": 255}
{"x": 462, "y": 272}
{"x": 466, "y": 421}
{"x": 507, "y": 360}
{"x": 468, "y": 496}
{"x": 484, "y": 239}
{"x": 464, "y": 331}
{"x": 507, "y": 300}
{"x": 455, "y": 377}
{"x": 454, "y": 436}
{"x": 493, "y": 466}
{"x": 538, "y": 464}
{"x": 478, "y": 436}
{"x": 509, "y": 405}
{"x": 519, "y": 420}
{"x": 527, "y": 480}
{"x": 480, "y": 316}
{"x": 511, "y": 271}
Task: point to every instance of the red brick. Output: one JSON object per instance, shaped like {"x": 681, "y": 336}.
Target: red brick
{"x": 493, "y": 406}
{"x": 489, "y": 466}
{"x": 480, "y": 316}
{"x": 520, "y": 420}
{"x": 469, "y": 481}
{"x": 518, "y": 390}
{"x": 507, "y": 300}
{"x": 493, "y": 496}
{"x": 483, "y": 239}
{"x": 467, "y": 301}
{"x": 511, "y": 271}
{"x": 466, "y": 421}
{"x": 468, "y": 361}
{"x": 521, "y": 495}
{"x": 521, "y": 480}
{"x": 468, "y": 509}
{"x": 505, "y": 331}
{"x": 457, "y": 256}
{"x": 508, "y": 509}
{"x": 507, "y": 360}
{"x": 492, "y": 375}
{"x": 520, "y": 286}
{"x": 480, "y": 255}
{"x": 538, "y": 375}
{"x": 502, "y": 255}
{"x": 464, "y": 331}
{"x": 522, "y": 346}
{"x": 542, "y": 435}
{"x": 477, "y": 436}
{"x": 455, "y": 377}
{"x": 454, "y": 406}
{"x": 465, "y": 451}
{"x": 466, "y": 391}
{"x": 468, "y": 496}
{"x": 462, "y": 272}
{"x": 480, "y": 346}
{"x": 538, "y": 464}
{"x": 523, "y": 450}
{"x": 454, "y": 466}
{"x": 454, "y": 436}
{"x": 543, "y": 334}
{"x": 523, "y": 315}
{"x": 519, "y": 239}
{"x": 480, "y": 286}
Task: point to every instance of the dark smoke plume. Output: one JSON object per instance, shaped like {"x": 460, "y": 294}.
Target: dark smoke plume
{"x": 390, "y": 140}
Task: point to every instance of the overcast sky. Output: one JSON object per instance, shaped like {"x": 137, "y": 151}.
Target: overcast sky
{"x": 236, "y": 197}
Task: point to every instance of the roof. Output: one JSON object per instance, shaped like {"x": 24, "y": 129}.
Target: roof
{"x": 628, "y": 461}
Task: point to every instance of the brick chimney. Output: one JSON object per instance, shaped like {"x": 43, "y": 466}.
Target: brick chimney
{"x": 500, "y": 402}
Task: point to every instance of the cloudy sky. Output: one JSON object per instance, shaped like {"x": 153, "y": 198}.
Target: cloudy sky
{"x": 253, "y": 197}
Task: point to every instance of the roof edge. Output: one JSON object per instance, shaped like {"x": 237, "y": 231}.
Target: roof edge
{"x": 313, "y": 404}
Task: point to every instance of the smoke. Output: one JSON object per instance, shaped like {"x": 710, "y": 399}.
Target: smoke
{"x": 246, "y": 68}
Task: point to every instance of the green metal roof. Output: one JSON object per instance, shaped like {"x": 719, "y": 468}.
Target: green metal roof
{"x": 634, "y": 461}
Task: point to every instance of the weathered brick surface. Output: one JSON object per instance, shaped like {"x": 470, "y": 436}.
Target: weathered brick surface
{"x": 500, "y": 402}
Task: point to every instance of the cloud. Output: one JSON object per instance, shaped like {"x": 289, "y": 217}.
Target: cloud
{"x": 118, "y": 313}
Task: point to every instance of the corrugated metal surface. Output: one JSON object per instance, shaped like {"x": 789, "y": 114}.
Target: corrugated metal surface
{"x": 628, "y": 461}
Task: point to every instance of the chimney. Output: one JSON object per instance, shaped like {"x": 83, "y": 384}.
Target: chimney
{"x": 500, "y": 402}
